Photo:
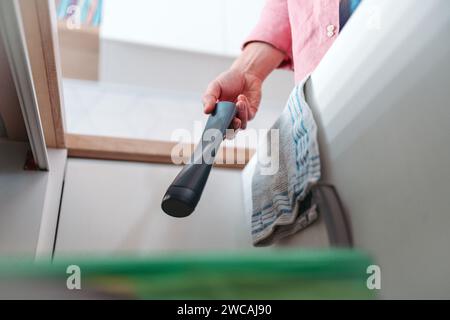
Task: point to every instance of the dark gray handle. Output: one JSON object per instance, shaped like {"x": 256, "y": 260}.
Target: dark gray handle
{"x": 183, "y": 194}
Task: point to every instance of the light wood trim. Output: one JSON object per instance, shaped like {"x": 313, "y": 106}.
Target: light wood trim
{"x": 83, "y": 29}
{"x": 40, "y": 28}
{"x": 79, "y": 51}
{"x": 16, "y": 50}
{"x": 152, "y": 151}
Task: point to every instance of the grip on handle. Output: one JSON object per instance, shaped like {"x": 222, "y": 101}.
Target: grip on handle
{"x": 184, "y": 193}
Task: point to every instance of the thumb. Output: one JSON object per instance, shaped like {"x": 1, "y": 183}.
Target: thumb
{"x": 210, "y": 97}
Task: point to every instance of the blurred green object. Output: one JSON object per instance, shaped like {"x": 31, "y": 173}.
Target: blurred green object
{"x": 257, "y": 274}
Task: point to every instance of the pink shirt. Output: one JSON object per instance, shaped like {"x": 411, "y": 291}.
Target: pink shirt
{"x": 303, "y": 29}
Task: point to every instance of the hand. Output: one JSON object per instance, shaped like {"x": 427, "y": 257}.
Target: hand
{"x": 242, "y": 83}
{"x": 237, "y": 86}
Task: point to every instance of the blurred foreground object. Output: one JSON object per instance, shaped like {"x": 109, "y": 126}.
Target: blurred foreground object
{"x": 265, "y": 274}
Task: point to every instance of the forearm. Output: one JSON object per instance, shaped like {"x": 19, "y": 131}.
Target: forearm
{"x": 259, "y": 59}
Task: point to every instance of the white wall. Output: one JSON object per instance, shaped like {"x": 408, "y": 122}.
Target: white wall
{"x": 209, "y": 26}
{"x": 173, "y": 70}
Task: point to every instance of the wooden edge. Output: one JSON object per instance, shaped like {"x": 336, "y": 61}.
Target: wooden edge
{"x": 84, "y": 29}
{"x": 150, "y": 151}
{"x": 79, "y": 51}
{"x": 40, "y": 29}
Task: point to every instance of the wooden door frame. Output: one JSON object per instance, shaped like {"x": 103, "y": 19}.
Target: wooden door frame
{"x": 15, "y": 47}
{"x": 41, "y": 34}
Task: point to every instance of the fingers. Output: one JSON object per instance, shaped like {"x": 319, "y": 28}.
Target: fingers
{"x": 242, "y": 106}
{"x": 211, "y": 96}
{"x": 236, "y": 124}
{"x": 240, "y": 121}
{"x": 251, "y": 111}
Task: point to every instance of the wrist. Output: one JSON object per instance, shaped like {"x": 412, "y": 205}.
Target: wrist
{"x": 258, "y": 59}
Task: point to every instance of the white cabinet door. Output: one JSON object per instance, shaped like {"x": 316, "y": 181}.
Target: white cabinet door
{"x": 113, "y": 207}
{"x": 382, "y": 99}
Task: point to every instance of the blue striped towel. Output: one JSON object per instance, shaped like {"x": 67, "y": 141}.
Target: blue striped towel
{"x": 277, "y": 196}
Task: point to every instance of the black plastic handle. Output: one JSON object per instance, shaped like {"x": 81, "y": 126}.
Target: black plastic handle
{"x": 184, "y": 193}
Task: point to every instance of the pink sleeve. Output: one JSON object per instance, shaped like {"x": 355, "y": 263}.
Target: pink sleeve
{"x": 274, "y": 28}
